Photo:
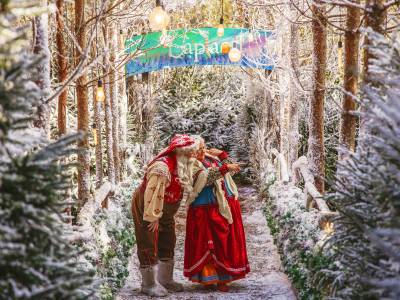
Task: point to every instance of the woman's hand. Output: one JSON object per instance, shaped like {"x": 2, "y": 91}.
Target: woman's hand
{"x": 214, "y": 151}
{"x": 153, "y": 226}
{"x": 233, "y": 168}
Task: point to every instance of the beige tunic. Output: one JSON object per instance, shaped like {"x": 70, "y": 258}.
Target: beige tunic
{"x": 158, "y": 178}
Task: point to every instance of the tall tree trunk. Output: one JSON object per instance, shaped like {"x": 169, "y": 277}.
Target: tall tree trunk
{"x": 374, "y": 18}
{"x": 108, "y": 114}
{"x": 316, "y": 152}
{"x": 42, "y": 77}
{"x": 294, "y": 91}
{"x": 83, "y": 108}
{"x": 347, "y": 136}
{"x": 99, "y": 149}
{"x": 62, "y": 73}
{"x": 114, "y": 98}
{"x": 123, "y": 107}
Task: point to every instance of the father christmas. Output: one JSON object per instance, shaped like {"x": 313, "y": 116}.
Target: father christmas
{"x": 168, "y": 180}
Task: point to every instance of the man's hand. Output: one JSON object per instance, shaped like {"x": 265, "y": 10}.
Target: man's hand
{"x": 153, "y": 226}
{"x": 214, "y": 151}
{"x": 233, "y": 168}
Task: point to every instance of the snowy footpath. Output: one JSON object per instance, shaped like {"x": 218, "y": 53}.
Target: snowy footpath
{"x": 265, "y": 281}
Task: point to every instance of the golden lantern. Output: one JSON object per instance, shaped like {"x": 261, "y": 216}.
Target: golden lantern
{"x": 100, "y": 96}
{"x": 94, "y": 131}
{"x": 220, "y": 28}
{"x": 225, "y": 47}
{"x": 158, "y": 18}
{"x": 340, "y": 54}
{"x": 235, "y": 55}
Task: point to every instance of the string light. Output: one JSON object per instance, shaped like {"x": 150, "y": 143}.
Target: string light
{"x": 340, "y": 54}
{"x": 159, "y": 18}
{"x": 220, "y": 28}
{"x": 100, "y": 96}
{"x": 94, "y": 130}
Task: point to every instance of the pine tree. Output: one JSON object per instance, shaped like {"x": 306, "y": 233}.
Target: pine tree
{"x": 367, "y": 233}
{"x": 37, "y": 260}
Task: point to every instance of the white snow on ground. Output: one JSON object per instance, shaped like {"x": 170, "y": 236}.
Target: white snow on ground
{"x": 265, "y": 281}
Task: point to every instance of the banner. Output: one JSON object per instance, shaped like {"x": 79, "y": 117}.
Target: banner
{"x": 201, "y": 46}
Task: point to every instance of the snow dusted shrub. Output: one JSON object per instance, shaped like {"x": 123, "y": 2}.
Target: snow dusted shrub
{"x": 37, "y": 260}
{"x": 200, "y": 100}
{"x": 298, "y": 237}
{"x": 366, "y": 193}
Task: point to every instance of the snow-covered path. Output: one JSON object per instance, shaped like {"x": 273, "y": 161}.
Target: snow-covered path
{"x": 265, "y": 281}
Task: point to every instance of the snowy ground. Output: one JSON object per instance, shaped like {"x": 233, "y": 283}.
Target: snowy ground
{"x": 265, "y": 281}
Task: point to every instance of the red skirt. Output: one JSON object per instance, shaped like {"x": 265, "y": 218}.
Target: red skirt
{"x": 211, "y": 239}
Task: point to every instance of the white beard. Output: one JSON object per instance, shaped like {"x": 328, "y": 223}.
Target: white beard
{"x": 185, "y": 172}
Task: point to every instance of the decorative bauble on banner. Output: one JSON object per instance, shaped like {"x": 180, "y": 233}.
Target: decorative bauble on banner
{"x": 100, "y": 96}
{"x": 225, "y": 47}
{"x": 235, "y": 55}
{"x": 158, "y": 18}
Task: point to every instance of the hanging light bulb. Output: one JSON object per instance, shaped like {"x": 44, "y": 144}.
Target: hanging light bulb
{"x": 251, "y": 37}
{"x": 340, "y": 54}
{"x": 220, "y": 28}
{"x": 100, "y": 96}
{"x": 94, "y": 129}
{"x": 235, "y": 55}
{"x": 158, "y": 18}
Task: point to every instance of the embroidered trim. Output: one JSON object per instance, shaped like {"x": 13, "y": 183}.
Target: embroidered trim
{"x": 227, "y": 268}
{"x": 199, "y": 262}
{"x": 160, "y": 169}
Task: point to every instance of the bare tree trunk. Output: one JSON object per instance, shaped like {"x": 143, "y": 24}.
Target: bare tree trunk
{"x": 98, "y": 151}
{"x": 294, "y": 91}
{"x": 347, "y": 136}
{"x": 108, "y": 115}
{"x": 374, "y": 18}
{"x": 41, "y": 47}
{"x": 114, "y": 98}
{"x": 316, "y": 152}
{"x": 62, "y": 69}
{"x": 123, "y": 107}
{"x": 83, "y": 108}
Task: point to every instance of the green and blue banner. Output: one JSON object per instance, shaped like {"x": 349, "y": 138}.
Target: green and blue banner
{"x": 201, "y": 46}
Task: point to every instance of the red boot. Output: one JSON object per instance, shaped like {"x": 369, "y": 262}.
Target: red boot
{"x": 223, "y": 287}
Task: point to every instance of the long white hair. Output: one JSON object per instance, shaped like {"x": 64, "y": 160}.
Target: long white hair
{"x": 185, "y": 167}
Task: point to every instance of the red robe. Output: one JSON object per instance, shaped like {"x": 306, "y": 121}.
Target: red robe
{"x": 212, "y": 241}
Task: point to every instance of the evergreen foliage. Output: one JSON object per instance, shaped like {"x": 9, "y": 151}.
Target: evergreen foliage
{"x": 366, "y": 241}
{"x": 37, "y": 261}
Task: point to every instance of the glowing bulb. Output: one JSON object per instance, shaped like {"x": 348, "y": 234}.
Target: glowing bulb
{"x": 251, "y": 37}
{"x": 94, "y": 134}
{"x": 328, "y": 228}
{"x": 340, "y": 55}
{"x": 158, "y": 18}
{"x": 100, "y": 96}
{"x": 235, "y": 55}
{"x": 220, "y": 28}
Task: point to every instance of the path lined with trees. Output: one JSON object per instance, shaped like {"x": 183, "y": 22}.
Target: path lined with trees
{"x": 318, "y": 135}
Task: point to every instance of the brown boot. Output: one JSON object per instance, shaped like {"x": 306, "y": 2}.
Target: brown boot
{"x": 165, "y": 276}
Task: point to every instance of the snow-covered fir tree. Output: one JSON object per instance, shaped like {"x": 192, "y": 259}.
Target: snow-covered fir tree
{"x": 365, "y": 245}
{"x": 191, "y": 104}
{"x": 37, "y": 260}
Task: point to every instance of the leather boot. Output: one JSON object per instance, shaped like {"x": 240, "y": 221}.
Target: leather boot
{"x": 150, "y": 286}
{"x": 165, "y": 276}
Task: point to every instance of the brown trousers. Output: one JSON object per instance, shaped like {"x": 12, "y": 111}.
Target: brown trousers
{"x": 154, "y": 246}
